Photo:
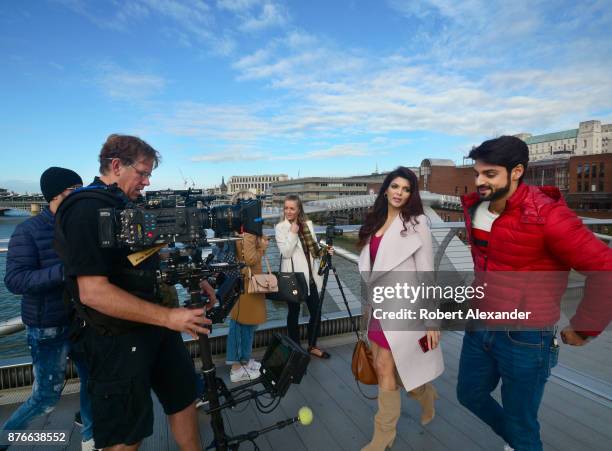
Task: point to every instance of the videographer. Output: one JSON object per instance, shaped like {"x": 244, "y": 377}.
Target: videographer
{"x": 132, "y": 343}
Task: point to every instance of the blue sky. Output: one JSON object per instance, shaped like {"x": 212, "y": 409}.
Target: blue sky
{"x": 335, "y": 87}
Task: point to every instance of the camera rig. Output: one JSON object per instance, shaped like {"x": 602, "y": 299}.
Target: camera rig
{"x": 330, "y": 232}
{"x": 176, "y": 216}
{"x": 178, "y": 220}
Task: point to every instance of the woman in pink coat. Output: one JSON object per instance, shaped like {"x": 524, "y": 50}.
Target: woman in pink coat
{"x": 396, "y": 246}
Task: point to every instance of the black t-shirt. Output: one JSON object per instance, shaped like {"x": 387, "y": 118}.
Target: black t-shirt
{"x": 84, "y": 256}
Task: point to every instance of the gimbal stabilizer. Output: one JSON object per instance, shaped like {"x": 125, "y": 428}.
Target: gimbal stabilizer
{"x": 273, "y": 377}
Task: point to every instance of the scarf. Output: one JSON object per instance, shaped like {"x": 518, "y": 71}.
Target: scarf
{"x": 309, "y": 244}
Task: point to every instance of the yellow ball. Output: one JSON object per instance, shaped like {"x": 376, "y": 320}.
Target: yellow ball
{"x": 305, "y": 415}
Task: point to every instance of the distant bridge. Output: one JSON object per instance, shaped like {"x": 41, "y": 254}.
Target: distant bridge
{"x": 30, "y": 203}
{"x": 33, "y": 204}
{"x": 365, "y": 201}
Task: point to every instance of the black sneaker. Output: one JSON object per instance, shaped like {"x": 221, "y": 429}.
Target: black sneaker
{"x": 77, "y": 419}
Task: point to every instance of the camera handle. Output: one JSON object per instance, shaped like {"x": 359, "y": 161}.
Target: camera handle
{"x": 210, "y": 374}
{"x": 210, "y": 377}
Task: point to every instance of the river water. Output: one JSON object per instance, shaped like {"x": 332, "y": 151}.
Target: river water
{"x": 10, "y": 305}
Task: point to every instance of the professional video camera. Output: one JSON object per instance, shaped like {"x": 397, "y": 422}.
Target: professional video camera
{"x": 176, "y": 216}
{"x": 330, "y": 232}
{"x": 178, "y": 221}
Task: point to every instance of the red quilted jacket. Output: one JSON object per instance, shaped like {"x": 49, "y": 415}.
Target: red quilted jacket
{"x": 532, "y": 246}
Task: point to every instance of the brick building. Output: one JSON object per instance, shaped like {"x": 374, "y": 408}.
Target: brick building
{"x": 551, "y": 172}
{"x": 443, "y": 177}
{"x": 590, "y": 185}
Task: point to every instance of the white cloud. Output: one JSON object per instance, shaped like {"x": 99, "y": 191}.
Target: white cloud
{"x": 192, "y": 21}
{"x": 194, "y": 16}
{"x": 57, "y": 66}
{"x": 337, "y": 151}
{"x": 230, "y": 155}
{"x": 471, "y": 68}
{"x": 240, "y": 154}
{"x": 237, "y": 6}
{"x": 256, "y": 15}
{"x": 407, "y": 99}
{"x": 271, "y": 15}
{"x": 120, "y": 83}
{"x": 299, "y": 60}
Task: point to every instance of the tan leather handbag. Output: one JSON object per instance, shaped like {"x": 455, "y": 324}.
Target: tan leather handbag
{"x": 363, "y": 363}
{"x": 262, "y": 283}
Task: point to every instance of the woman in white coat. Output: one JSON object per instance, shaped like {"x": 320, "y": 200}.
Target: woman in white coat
{"x": 396, "y": 245}
{"x": 297, "y": 243}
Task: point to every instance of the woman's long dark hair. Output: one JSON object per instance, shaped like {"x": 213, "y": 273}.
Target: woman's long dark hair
{"x": 377, "y": 215}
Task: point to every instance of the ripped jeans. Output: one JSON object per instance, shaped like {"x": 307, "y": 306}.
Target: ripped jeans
{"x": 49, "y": 347}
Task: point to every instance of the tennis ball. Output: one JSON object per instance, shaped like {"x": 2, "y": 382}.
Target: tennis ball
{"x": 305, "y": 415}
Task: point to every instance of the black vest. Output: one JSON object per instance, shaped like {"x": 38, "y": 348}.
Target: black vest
{"x": 139, "y": 281}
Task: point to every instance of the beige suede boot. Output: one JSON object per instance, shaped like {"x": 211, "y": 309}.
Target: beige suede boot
{"x": 385, "y": 420}
{"x": 426, "y": 395}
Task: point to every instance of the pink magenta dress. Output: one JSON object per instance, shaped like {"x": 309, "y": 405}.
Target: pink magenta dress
{"x": 375, "y": 332}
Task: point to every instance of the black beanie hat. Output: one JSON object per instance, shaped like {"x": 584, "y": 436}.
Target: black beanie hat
{"x": 55, "y": 180}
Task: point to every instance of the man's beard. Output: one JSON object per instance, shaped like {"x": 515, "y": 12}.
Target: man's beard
{"x": 496, "y": 194}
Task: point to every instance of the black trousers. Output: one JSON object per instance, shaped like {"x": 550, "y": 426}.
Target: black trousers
{"x": 293, "y": 316}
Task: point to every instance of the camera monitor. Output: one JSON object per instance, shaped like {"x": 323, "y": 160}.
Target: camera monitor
{"x": 283, "y": 364}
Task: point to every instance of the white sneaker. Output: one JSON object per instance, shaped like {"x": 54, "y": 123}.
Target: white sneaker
{"x": 88, "y": 445}
{"x": 253, "y": 365}
{"x": 243, "y": 374}
{"x": 508, "y": 447}
{"x": 201, "y": 402}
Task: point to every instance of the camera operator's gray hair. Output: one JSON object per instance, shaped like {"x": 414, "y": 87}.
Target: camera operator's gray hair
{"x": 243, "y": 195}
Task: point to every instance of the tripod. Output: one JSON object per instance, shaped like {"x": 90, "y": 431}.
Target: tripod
{"x": 329, "y": 265}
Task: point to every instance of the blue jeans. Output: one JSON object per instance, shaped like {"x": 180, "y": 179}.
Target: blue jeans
{"x": 84, "y": 402}
{"x": 239, "y": 342}
{"x": 49, "y": 348}
{"x": 523, "y": 361}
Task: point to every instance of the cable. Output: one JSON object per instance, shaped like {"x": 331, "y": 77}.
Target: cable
{"x": 272, "y": 399}
{"x": 246, "y": 405}
{"x": 264, "y": 409}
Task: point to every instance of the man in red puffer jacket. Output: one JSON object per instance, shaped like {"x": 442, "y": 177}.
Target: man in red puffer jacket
{"x": 524, "y": 241}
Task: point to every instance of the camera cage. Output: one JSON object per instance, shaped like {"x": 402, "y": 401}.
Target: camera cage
{"x": 172, "y": 216}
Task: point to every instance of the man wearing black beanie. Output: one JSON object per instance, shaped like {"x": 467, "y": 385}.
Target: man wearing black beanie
{"x": 34, "y": 270}
{"x": 54, "y": 181}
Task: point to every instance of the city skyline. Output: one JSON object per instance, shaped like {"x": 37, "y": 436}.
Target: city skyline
{"x": 246, "y": 87}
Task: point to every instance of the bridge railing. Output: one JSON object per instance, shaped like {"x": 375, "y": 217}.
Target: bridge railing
{"x": 450, "y": 253}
